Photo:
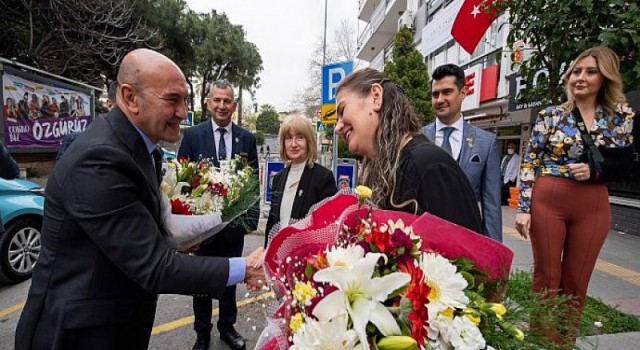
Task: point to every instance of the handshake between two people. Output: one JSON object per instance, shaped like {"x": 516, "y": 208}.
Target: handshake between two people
{"x": 254, "y": 275}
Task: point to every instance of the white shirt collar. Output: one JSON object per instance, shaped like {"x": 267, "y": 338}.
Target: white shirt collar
{"x": 216, "y": 127}
{"x": 458, "y": 125}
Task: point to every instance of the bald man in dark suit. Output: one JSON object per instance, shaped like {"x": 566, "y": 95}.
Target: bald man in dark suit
{"x": 104, "y": 257}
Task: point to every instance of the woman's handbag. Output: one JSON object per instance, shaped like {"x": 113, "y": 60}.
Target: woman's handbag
{"x": 610, "y": 164}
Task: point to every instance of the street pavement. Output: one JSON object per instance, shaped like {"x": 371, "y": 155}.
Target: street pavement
{"x": 616, "y": 281}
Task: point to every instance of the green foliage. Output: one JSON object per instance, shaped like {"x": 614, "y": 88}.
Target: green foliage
{"x": 525, "y": 306}
{"x": 78, "y": 39}
{"x": 612, "y": 320}
{"x": 267, "y": 121}
{"x": 410, "y": 72}
{"x": 87, "y": 39}
{"x": 199, "y": 117}
{"x": 259, "y": 138}
{"x": 550, "y": 311}
{"x": 582, "y": 24}
{"x": 343, "y": 150}
{"x": 222, "y": 52}
{"x": 173, "y": 22}
{"x": 244, "y": 205}
{"x": 32, "y": 172}
{"x": 343, "y": 147}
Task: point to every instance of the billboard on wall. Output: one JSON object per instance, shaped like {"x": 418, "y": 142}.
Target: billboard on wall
{"x": 38, "y": 115}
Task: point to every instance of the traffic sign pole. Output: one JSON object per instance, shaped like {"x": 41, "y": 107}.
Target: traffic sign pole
{"x": 332, "y": 75}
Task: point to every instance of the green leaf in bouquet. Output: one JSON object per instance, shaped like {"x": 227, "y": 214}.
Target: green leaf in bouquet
{"x": 469, "y": 278}
{"x": 397, "y": 292}
{"x": 403, "y": 311}
{"x": 309, "y": 270}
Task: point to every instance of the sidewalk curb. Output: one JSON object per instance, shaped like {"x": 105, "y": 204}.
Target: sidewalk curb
{"x": 610, "y": 341}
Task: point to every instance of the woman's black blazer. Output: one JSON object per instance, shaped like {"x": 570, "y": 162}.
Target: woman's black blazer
{"x": 316, "y": 184}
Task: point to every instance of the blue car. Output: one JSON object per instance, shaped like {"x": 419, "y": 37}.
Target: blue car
{"x": 21, "y": 209}
{"x": 167, "y": 154}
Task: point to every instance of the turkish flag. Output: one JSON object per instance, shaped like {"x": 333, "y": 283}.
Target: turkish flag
{"x": 471, "y": 23}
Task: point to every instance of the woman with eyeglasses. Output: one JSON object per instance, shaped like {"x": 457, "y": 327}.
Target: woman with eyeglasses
{"x": 404, "y": 170}
{"x": 303, "y": 182}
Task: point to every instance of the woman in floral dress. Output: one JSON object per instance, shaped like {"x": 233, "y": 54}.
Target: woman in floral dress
{"x": 567, "y": 214}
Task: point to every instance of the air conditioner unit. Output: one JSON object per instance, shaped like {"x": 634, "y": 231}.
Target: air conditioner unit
{"x": 406, "y": 20}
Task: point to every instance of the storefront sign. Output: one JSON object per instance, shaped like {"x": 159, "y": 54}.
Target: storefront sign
{"x": 473, "y": 78}
{"x": 518, "y": 85}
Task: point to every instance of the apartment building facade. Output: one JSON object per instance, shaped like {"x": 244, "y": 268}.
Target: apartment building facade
{"x": 494, "y": 103}
{"x": 488, "y": 68}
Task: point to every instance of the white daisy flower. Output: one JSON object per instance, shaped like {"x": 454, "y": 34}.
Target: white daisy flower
{"x": 447, "y": 286}
{"x": 344, "y": 257}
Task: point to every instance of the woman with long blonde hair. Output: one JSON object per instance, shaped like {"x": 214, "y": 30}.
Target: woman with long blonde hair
{"x": 567, "y": 214}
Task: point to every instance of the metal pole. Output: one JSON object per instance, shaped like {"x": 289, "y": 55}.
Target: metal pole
{"x": 324, "y": 44}
{"x": 334, "y": 158}
{"x": 324, "y": 61}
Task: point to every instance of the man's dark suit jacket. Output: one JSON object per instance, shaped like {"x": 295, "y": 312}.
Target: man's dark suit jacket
{"x": 8, "y": 167}
{"x": 104, "y": 258}
{"x": 198, "y": 143}
{"x": 316, "y": 184}
{"x": 8, "y": 170}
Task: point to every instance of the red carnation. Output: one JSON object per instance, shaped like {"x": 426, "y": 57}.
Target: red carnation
{"x": 381, "y": 240}
{"x": 417, "y": 292}
{"x": 180, "y": 207}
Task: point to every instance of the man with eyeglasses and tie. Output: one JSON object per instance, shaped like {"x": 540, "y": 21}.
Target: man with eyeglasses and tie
{"x": 474, "y": 149}
{"x": 219, "y": 139}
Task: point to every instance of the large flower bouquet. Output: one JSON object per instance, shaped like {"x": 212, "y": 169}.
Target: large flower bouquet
{"x": 200, "y": 199}
{"x": 352, "y": 277}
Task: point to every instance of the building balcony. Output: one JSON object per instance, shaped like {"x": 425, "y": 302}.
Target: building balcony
{"x": 381, "y": 29}
{"x": 366, "y": 8}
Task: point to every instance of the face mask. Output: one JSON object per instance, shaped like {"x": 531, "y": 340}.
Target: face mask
{"x": 511, "y": 151}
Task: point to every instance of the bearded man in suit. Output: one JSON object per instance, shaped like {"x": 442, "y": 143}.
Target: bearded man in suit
{"x": 105, "y": 256}
{"x": 219, "y": 139}
{"x": 473, "y": 148}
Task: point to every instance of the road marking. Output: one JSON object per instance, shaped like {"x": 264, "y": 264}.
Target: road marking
{"x": 614, "y": 270}
{"x": 185, "y": 321}
{"x": 11, "y": 309}
{"x": 628, "y": 275}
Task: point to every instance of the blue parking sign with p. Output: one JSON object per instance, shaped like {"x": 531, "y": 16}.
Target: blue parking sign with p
{"x": 188, "y": 121}
{"x": 332, "y": 75}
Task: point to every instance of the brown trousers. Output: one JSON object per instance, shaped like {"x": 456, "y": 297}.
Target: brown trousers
{"x": 569, "y": 224}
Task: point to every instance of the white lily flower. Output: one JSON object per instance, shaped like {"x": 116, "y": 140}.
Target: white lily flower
{"x": 360, "y": 295}
{"x": 327, "y": 334}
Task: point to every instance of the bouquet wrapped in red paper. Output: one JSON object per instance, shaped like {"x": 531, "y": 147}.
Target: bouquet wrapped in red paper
{"x": 352, "y": 277}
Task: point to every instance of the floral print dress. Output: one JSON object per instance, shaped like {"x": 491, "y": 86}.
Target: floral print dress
{"x": 556, "y": 142}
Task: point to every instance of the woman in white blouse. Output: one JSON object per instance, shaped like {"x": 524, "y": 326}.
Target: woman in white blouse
{"x": 303, "y": 182}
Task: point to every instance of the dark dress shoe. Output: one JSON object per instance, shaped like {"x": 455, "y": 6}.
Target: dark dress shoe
{"x": 202, "y": 343}
{"x": 230, "y": 336}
